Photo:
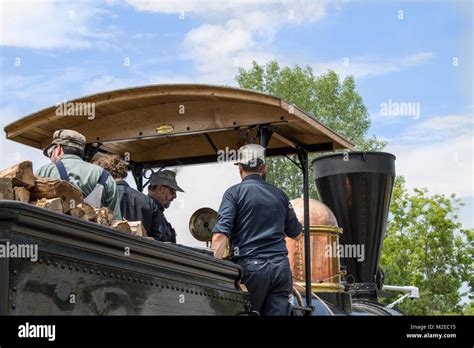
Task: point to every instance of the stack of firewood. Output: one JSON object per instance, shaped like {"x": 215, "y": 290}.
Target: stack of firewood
{"x": 19, "y": 183}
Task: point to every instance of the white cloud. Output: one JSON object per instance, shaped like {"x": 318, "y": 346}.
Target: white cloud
{"x": 219, "y": 50}
{"x": 416, "y": 59}
{"x": 438, "y": 128}
{"x": 48, "y": 24}
{"x": 365, "y": 66}
{"x": 450, "y": 122}
{"x": 438, "y": 154}
{"x": 235, "y": 32}
{"x": 443, "y": 167}
{"x": 300, "y": 10}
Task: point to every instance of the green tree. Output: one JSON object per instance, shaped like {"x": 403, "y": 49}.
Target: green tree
{"x": 469, "y": 308}
{"x": 336, "y": 104}
{"x": 426, "y": 246}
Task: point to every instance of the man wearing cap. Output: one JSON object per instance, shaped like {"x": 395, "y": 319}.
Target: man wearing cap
{"x": 256, "y": 216}
{"x": 162, "y": 190}
{"x": 66, "y": 152}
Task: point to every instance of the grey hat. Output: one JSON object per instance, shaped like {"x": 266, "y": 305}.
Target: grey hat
{"x": 67, "y": 137}
{"x": 166, "y": 178}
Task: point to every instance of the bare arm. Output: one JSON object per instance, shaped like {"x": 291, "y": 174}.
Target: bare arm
{"x": 219, "y": 244}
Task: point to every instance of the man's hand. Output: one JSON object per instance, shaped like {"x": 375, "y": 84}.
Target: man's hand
{"x": 219, "y": 244}
{"x": 299, "y": 236}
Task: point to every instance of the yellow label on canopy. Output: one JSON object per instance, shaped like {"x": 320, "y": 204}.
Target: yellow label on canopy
{"x": 165, "y": 129}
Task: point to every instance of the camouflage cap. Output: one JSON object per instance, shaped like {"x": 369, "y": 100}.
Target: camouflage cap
{"x": 67, "y": 137}
{"x": 165, "y": 178}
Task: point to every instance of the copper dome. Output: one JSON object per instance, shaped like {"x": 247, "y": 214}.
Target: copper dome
{"x": 319, "y": 213}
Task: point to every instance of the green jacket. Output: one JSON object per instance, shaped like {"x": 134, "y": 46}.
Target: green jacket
{"x": 85, "y": 175}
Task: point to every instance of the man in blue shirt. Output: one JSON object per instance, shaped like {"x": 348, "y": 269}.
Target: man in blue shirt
{"x": 256, "y": 216}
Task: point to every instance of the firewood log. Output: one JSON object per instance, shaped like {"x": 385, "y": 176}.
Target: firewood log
{"x": 20, "y": 173}
{"x": 54, "y": 204}
{"x": 21, "y": 194}
{"x": 137, "y": 228}
{"x": 53, "y": 188}
{"x": 104, "y": 216}
{"x": 6, "y": 188}
{"x": 83, "y": 211}
{"x": 122, "y": 225}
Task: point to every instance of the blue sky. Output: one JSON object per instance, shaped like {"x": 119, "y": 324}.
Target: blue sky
{"x": 397, "y": 51}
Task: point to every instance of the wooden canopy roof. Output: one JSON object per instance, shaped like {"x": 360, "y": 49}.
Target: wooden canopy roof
{"x": 179, "y": 124}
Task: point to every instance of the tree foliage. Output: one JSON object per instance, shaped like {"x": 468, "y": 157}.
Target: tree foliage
{"x": 426, "y": 246}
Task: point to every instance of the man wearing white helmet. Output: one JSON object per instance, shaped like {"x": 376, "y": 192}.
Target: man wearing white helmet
{"x": 256, "y": 216}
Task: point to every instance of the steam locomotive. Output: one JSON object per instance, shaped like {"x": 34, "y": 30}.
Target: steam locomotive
{"x": 354, "y": 188}
{"x": 81, "y": 267}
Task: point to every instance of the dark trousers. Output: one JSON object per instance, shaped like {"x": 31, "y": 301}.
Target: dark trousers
{"x": 269, "y": 283}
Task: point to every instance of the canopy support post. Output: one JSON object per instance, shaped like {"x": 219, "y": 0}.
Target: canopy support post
{"x": 137, "y": 173}
{"x": 264, "y": 136}
{"x": 303, "y": 158}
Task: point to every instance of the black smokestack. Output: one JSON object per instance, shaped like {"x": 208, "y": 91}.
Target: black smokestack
{"x": 357, "y": 186}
